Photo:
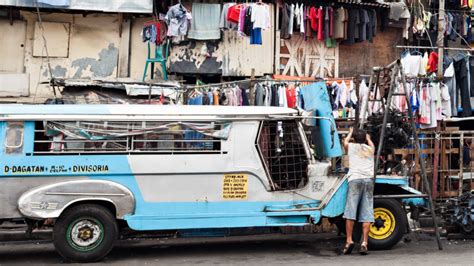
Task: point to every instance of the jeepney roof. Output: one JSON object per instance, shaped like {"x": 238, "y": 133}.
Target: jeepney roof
{"x": 66, "y": 110}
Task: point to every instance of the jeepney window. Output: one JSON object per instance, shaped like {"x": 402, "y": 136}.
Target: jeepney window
{"x": 14, "y": 138}
{"x": 130, "y": 137}
{"x": 283, "y": 154}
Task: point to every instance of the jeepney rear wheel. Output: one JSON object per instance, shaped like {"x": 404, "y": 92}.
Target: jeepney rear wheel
{"x": 85, "y": 233}
{"x": 388, "y": 228}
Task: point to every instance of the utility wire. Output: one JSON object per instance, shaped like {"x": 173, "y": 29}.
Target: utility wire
{"x": 48, "y": 61}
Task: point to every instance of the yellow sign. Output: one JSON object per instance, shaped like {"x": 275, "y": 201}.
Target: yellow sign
{"x": 235, "y": 186}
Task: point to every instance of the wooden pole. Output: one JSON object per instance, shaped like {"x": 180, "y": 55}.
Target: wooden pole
{"x": 440, "y": 40}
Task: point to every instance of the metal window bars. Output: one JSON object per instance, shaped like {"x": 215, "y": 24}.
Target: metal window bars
{"x": 91, "y": 137}
{"x": 283, "y": 154}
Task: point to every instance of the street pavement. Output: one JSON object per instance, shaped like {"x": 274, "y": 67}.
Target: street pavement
{"x": 314, "y": 249}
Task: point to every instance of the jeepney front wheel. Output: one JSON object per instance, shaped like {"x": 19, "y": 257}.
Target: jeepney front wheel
{"x": 389, "y": 226}
{"x": 85, "y": 233}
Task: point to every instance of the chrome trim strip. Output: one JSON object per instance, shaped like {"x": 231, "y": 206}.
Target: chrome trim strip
{"x": 85, "y": 194}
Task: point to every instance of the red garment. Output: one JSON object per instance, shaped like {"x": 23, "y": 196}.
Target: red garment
{"x": 291, "y": 96}
{"x": 320, "y": 24}
{"x": 432, "y": 63}
{"x": 313, "y": 17}
{"x": 233, "y": 14}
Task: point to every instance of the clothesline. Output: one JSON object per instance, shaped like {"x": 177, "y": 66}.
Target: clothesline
{"x": 191, "y": 87}
{"x": 432, "y": 48}
{"x": 446, "y": 10}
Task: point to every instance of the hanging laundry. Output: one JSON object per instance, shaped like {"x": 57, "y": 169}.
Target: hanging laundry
{"x": 223, "y": 22}
{"x": 205, "y": 23}
{"x": 432, "y": 65}
{"x": 177, "y": 19}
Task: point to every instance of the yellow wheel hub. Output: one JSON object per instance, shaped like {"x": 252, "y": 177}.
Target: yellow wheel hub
{"x": 384, "y": 224}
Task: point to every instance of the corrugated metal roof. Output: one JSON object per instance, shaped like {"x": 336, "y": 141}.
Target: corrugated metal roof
{"x": 126, "y": 6}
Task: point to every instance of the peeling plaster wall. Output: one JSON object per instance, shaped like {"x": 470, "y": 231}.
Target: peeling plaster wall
{"x": 93, "y": 51}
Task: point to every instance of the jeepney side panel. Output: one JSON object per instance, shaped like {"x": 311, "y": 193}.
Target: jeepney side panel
{"x": 181, "y": 191}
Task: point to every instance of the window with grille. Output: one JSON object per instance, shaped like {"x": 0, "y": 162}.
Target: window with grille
{"x": 14, "y": 138}
{"x": 282, "y": 151}
{"x": 129, "y": 137}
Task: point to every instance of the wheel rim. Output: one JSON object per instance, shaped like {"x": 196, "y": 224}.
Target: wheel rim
{"x": 85, "y": 234}
{"x": 384, "y": 224}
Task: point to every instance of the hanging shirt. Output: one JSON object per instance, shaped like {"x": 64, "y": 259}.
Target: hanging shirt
{"x": 292, "y": 19}
{"x": 445, "y": 101}
{"x": 462, "y": 84}
{"x": 364, "y": 98}
{"x": 223, "y": 22}
{"x": 282, "y": 101}
{"x": 432, "y": 63}
{"x": 411, "y": 64}
{"x": 326, "y": 23}
{"x": 425, "y": 108}
{"x": 313, "y": 18}
{"x": 352, "y": 26}
{"x": 233, "y": 14}
{"x": 291, "y": 97}
{"x": 260, "y": 16}
{"x": 372, "y": 25}
{"x": 450, "y": 81}
{"x": 285, "y": 17}
{"x": 364, "y": 21}
{"x": 320, "y": 24}
{"x": 423, "y": 64}
{"x": 339, "y": 20}
{"x": 177, "y": 19}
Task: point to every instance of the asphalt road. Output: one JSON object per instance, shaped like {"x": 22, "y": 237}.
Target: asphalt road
{"x": 320, "y": 249}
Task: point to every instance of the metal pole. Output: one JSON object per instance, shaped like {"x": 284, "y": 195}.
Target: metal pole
{"x": 357, "y": 82}
{"x": 436, "y": 163}
{"x": 440, "y": 40}
{"x": 385, "y": 118}
{"x": 422, "y": 162}
{"x": 461, "y": 164}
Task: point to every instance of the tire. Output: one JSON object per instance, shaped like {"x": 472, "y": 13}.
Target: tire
{"x": 98, "y": 228}
{"x": 389, "y": 226}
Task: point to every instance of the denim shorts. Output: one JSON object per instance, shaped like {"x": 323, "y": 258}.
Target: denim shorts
{"x": 360, "y": 201}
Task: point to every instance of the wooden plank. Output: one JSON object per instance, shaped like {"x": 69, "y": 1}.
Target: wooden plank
{"x": 423, "y": 151}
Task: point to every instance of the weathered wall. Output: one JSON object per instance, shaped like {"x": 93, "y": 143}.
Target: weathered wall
{"x": 233, "y": 56}
{"x": 361, "y": 57}
{"x": 92, "y": 49}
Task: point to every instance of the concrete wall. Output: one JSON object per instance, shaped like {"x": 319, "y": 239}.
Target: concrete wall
{"x": 92, "y": 49}
{"x": 361, "y": 57}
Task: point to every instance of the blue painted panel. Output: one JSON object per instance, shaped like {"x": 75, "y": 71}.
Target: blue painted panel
{"x": 392, "y": 181}
{"x": 316, "y": 98}
{"x": 2, "y": 137}
{"x": 416, "y": 202}
{"x": 231, "y": 220}
{"x": 29, "y": 137}
{"x": 337, "y": 204}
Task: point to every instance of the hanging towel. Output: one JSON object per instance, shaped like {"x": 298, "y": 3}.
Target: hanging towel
{"x": 205, "y": 22}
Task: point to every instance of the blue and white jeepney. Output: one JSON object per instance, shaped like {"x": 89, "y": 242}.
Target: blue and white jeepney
{"x": 97, "y": 169}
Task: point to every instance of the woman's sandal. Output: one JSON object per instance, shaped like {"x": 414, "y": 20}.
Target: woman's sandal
{"x": 348, "y": 248}
{"x": 363, "y": 249}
